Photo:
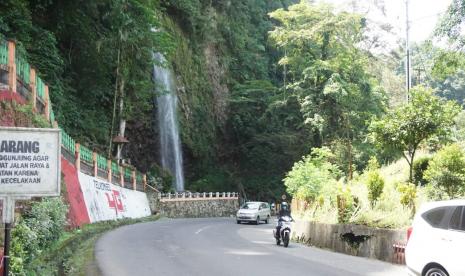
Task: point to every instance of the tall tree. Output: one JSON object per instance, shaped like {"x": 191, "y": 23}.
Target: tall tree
{"x": 328, "y": 72}
{"x": 406, "y": 127}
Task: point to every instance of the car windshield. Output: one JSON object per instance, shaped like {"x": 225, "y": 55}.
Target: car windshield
{"x": 251, "y": 205}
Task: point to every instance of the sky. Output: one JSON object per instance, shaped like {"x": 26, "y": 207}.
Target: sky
{"x": 423, "y": 15}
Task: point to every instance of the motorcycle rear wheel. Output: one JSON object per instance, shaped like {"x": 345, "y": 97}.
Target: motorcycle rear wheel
{"x": 286, "y": 240}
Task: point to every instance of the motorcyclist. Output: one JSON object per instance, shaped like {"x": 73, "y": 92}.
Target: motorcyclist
{"x": 283, "y": 212}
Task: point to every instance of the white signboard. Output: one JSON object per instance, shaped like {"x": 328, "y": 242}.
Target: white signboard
{"x": 29, "y": 162}
{"x": 105, "y": 201}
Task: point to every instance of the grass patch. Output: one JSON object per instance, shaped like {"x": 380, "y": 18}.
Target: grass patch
{"x": 73, "y": 254}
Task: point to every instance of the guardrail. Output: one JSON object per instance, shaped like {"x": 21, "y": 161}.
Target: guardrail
{"x": 19, "y": 80}
{"x": 197, "y": 196}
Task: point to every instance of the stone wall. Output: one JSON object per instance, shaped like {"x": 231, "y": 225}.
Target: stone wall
{"x": 354, "y": 240}
{"x": 199, "y": 208}
{"x": 154, "y": 202}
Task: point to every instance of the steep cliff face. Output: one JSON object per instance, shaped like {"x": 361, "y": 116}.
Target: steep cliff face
{"x": 217, "y": 76}
{"x": 227, "y": 47}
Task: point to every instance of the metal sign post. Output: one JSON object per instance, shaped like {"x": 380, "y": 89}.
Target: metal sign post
{"x": 8, "y": 218}
{"x": 29, "y": 167}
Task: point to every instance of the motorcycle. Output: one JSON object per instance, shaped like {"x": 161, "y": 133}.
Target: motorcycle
{"x": 284, "y": 234}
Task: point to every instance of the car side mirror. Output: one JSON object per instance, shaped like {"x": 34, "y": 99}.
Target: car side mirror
{"x": 259, "y": 208}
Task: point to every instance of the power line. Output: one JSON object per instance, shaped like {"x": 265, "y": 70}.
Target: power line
{"x": 427, "y": 16}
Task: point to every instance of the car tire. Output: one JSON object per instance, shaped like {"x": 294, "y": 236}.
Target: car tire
{"x": 238, "y": 222}
{"x": 436, "y": 271}
{"x": 257, "y": 222}
{"x": 267, "y": 220}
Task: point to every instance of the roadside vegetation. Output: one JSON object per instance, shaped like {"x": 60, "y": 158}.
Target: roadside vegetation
{"x": 424, "y": 132}
{"x": 375, "y": 157}
{"x": 42, "y": 244}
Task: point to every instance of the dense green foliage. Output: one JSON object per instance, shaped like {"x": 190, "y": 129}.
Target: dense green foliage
{"x": 440, "y": 69}
{"x": 446, "y": 170}
{"x": 451, "y": 25}
{"x": 265, "y": 134}
{"x": 38, "y": 229}
{"x": 419, "y": 167}
{"x": 328, "y": 73}
{"x": 314, "y": 174}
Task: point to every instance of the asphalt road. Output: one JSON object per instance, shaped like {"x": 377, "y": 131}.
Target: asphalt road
{"x": 220, "y": 247}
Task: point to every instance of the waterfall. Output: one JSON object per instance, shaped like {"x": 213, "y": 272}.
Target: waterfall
{"x": 170, "y": 144}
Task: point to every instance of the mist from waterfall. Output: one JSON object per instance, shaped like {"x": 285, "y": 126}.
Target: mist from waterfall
{"x": 170, "y": 143}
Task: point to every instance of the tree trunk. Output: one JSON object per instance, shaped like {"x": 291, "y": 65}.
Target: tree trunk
{"x": 412, "y": 156}
{"x": 114, "y": 105}
{"x": 349, "y": 148}
{"x": 122, "y": 120}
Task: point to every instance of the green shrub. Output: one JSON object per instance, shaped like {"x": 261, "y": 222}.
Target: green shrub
{"x": 408, "y": 193}
{"x": 419, "y": 167}
{"x": 347, "y": 204}
{"x": 375, "y": 184}
{"x": 35, "y": 231}
{"x": 374, "y": 181}
{"x": 308, "y": 176}
{"x": 447, "y": 170}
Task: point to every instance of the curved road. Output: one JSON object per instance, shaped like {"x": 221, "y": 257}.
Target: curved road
{"x": 219, "y": 246}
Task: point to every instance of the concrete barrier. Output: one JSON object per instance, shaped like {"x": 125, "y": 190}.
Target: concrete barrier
{"x": 356, "y": 240}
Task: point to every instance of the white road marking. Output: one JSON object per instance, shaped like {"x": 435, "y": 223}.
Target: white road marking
{"x": 247, "y": 253}
{"x": 201, "y": 229}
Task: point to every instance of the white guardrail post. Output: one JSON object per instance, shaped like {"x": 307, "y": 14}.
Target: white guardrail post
{"x": 203, "y": 195}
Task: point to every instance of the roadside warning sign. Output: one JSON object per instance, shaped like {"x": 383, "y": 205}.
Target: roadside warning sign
{"x": 29, "y": 162}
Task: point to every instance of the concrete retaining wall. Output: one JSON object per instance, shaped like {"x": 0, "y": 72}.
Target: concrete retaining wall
{"x": 106, "y": 201}
{"x": 354, "y": 240}
{"x": 199, "y": 208}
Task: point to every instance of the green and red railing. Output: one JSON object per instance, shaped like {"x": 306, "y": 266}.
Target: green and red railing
{"x": 20, "y": 81}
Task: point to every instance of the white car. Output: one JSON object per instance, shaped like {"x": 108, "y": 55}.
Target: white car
{"x": 436, "y": 240}
{"x": 254, "y": 211}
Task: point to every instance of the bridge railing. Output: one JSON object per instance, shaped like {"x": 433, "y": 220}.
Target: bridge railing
{"x": 197, "y": 196}
{"x": 19, "y": 80}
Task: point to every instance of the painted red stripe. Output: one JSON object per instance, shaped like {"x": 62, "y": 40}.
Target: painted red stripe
{"x": 77, "y": 214}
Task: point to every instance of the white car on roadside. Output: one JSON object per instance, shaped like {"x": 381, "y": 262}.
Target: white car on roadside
{"x": 254, "y": 211}
{"x": 436, "y": 240}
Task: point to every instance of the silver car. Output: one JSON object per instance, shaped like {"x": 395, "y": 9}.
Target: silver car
{"x": 254, "y": 211}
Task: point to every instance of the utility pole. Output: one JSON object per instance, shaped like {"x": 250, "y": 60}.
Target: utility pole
{"x": 408, "y": 78}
